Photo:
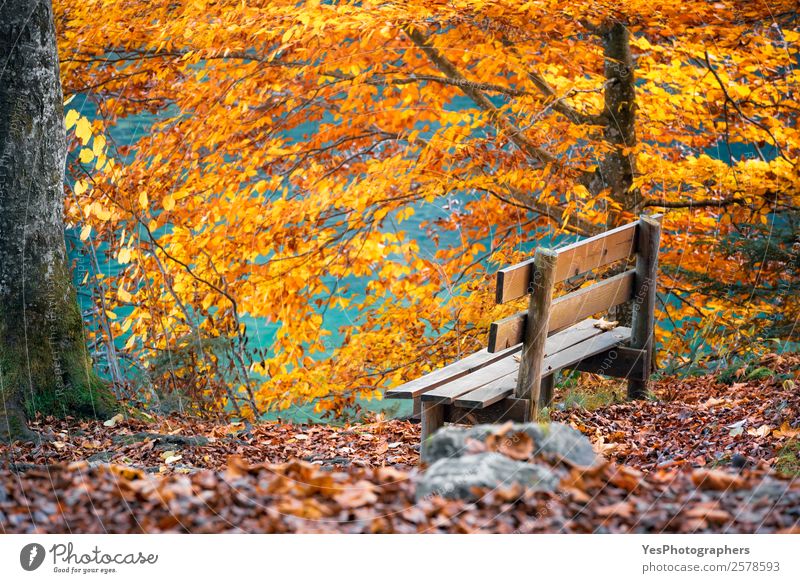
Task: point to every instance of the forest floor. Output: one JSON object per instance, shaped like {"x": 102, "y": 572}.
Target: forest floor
{"x": 706, "y": 454}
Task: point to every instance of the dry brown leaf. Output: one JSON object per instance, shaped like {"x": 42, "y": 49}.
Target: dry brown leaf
{"x": 606, "y": 325}
{"x": 360, "y": 494}
{"x": 716, "y": 480}
{"x": 517, "y": 446}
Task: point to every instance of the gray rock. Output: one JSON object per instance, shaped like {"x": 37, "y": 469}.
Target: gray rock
{"x": 100, "y": 458}
{"x": 456, "y": 477}
{"x": 551, "y": 440}
{"x": 161, "y": 440}
{"x": 770, "y": 490}
{"x": 562, "y": 442}
{"x": 447, "y": 442}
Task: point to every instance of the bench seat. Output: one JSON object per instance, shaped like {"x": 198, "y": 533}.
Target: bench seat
{"x": 484, "y": 379}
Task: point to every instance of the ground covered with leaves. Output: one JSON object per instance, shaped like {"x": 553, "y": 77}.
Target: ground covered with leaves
{"x": 703, "y": 456}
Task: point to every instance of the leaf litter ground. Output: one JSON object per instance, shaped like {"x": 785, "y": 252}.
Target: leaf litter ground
{"x": 702, "y": 457}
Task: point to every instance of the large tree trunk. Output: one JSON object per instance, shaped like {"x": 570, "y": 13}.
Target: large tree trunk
{"x": 44, "y": 363}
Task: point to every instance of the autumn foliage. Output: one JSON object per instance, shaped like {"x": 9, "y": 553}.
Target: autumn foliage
{"x": 291, "y": 148}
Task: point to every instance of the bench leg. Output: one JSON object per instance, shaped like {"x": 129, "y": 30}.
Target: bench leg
{"x": 529, "y": 378}
{"x": 415, "y": 413}
{"x": 432, "y": 418}
{"x": 546, "y": 391}
{"x": 644, "y": 300}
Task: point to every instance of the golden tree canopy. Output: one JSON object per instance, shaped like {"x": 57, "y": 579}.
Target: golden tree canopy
{"x": 293, "y": 144}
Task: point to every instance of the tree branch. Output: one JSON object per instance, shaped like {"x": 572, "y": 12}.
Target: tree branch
{"x": 526, "y": 201}
{"x": 678, "y": 204}
{"x": 495, "y": 115}
{"x": 478, "y": 86}
{"x": 738, "y": 108}
{"x": 557, "y": 103}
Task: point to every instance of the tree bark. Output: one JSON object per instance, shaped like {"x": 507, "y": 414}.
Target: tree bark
{"x": 44, "y": 363}
{"x": 617, "y": 169}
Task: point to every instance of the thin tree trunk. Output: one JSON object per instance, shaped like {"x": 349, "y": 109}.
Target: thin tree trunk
{"x": 44, "y": 363}
{"x": 617, "y": 169}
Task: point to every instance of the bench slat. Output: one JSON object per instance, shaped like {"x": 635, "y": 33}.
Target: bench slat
{"x": 513, "y": 282}
{"x": 555, "y": 343}
{"x": 585, "y": 349}
{"x": 501, "y": 388}
{"x": 599, "y": 297}
{"x": 566, "y": 310}
{"x": 488, "y": 394}
{"x": 446, "y": 393}
{"x": 509, "y": 409}
{"x": 620, "y": 361}
{"x": 438, "y": 377}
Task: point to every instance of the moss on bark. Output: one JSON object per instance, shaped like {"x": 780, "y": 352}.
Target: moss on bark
{"x": 44, "y": 364}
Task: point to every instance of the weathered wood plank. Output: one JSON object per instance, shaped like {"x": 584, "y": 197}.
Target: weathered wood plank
{"x": 596, "y": 251}
{"x": 599, "y": 297}
{"x": 488, "y": 394}
{"x": 619, "y": 361}
{"x": 460, "y": 368}
{"x": 432, "y": 419}
{"x": 566, "y": 310}
{"x": 644, "y": 298}
{"x": 446, "y": 393}
{"x": 499, "y": 389}
{"x": 587, "y": 348}
{"x": 515, "y": 281}
{"x": 559, "y": 340}
{"x": 507, "y": 332}
{"x": 509, "y": 409}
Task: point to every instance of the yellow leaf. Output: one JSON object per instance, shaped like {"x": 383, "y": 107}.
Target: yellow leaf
{"x": 71, "y": 118}
{"x": 123, "y": 295}
{"x": 101, "y": 212}
{"x": 124, "y": 255}
{"x": 111, "y": 315}
{"x": 169, "y": 202}
{"x": 80, "y": 187}
{"x": 85, "y": 232}
{"x": 86, "y": 155}
{"x": 83, "y": 130}
{"x": 114, "y": 420}
{"x": 98, "y": 145}
{"x": 143, "y": 199}
{"x": 791, "y": 36}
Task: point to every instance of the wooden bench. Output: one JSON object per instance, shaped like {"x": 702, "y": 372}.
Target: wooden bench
{"x": 512, "y": 379}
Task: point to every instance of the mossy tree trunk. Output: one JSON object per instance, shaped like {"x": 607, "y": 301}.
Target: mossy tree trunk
{"x": 44, "y": 364}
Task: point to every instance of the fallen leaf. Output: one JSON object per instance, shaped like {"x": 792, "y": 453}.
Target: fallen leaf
{"x": 716, "y": 480}
{"x": 606, "y": 325}
{"x": 114, "y": 420}
{"x": 762, "y": 431}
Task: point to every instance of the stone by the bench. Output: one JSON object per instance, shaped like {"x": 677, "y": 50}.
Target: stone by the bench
{"x": 551, "y": 440}
{"x": 456, "y": 477}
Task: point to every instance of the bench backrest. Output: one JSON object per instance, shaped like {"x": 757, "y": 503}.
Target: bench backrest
{"x": 572, "y": 260}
